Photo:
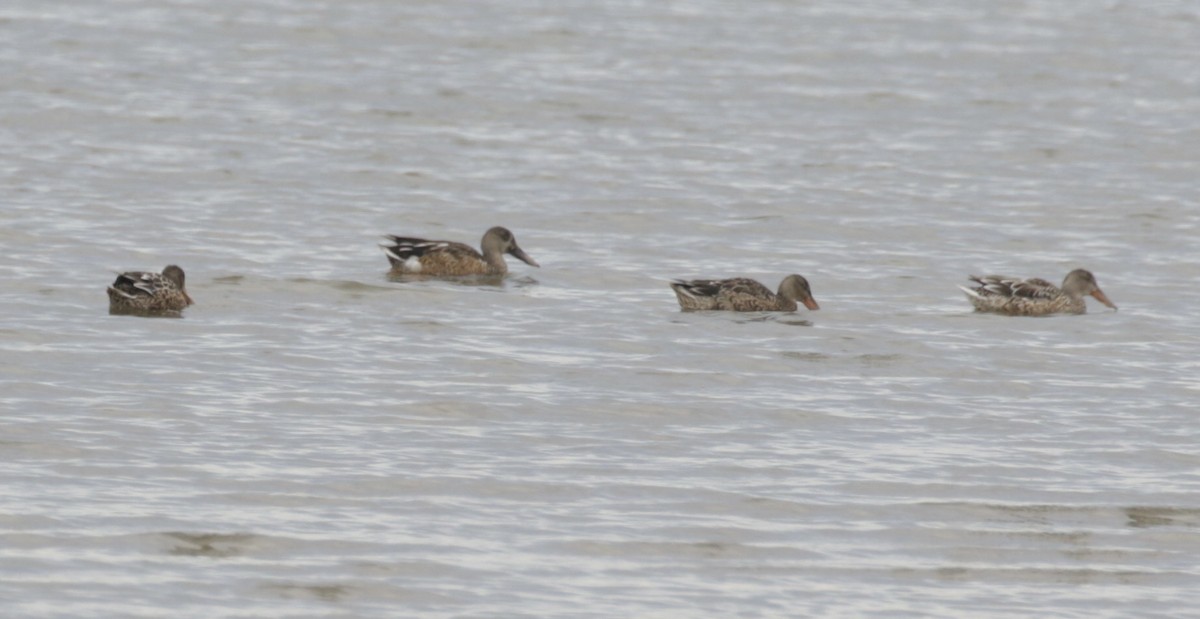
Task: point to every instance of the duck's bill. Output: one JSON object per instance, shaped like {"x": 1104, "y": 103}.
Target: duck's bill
{"x": 524, "y": 257}
{"x": 1103, "y": 298}
{"x": 810, "y": 303}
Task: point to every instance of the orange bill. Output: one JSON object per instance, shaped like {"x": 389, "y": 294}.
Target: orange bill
{"x": 1103, "y": 298}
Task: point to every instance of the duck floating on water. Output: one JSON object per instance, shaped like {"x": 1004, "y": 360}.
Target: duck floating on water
{"x": 742, "y": 294}
{"x": 138, "y": 292}
{"x": 1013, "y": 296}
{"x": 412, "y": 256}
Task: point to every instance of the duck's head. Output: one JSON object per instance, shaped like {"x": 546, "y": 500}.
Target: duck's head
{"x": 796, "y": 288}
{"x": 174, "y": 274}
{"x": 1081, "y": 282}
{"x": 499, "y": 239}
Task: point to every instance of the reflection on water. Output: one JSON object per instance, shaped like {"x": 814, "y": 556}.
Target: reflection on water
{"x": 118, "y": 311}
{"x": 462, "y": 280}
{"x": 324, "y": 593}
{"x": 212, "y": 545}
{"x": 1146, "y": 517}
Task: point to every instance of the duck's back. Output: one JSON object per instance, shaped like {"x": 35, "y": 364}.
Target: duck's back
{"x": 413, "y": 255}
{"x": 1015, "y": 296}
{"x": 739, "y": 294}
{"x": 143, "y": 291}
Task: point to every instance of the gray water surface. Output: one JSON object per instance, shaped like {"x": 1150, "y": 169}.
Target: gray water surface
{"x": 314, "y": 440}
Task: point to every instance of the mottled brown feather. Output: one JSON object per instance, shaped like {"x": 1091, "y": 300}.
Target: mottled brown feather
{"x": 1013, "y": 296}
{"x": 138, "y": 292}
{"x": 742, "y": 294}
{"x": 414, "y": 256}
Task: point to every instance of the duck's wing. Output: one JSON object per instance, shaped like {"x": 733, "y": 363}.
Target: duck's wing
{"x": 744, "y": 287}
{"x": 139, "y": 284}
{"x": 1035, "y": 288}
{"x": 697, "y": 288}
{"x": 400, "y": 249}
{"x": 1004, "y": 286}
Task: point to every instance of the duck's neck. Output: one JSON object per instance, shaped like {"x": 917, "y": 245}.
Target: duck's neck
{"x": 1074, "y": 294}
{"x": 786, "y": 304}
{"x": 495, "y": 262}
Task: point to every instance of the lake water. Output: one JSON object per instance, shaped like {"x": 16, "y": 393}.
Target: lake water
{"x": 314, "y": 440}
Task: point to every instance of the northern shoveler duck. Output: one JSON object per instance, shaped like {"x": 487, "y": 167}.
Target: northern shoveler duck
{"x": 138, "y": 292}
{"x": 411, "y": 256}
{"x": 1014, "y": 296}
{"x": 743, "y": 295}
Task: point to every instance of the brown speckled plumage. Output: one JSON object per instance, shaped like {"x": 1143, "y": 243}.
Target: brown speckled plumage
{"x": 1013, "y": 296}
{"x": 138, "y": 292}
{"x": 743, "y": 295}
{"x": 412, "y": 256}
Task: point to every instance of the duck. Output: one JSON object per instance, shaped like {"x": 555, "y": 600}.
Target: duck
{"x": 1013, "y": 296}
{"x": 741, "y": 294}
{"x": 412, "y": 256}
{"x": 145, "y": 292}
